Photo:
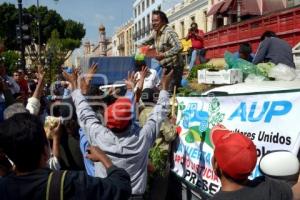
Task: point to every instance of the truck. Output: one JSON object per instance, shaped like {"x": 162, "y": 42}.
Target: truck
{"x": 285, "y": 23}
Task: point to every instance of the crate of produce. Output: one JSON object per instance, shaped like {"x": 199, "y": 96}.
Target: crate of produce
{"x": 230, "y": 76}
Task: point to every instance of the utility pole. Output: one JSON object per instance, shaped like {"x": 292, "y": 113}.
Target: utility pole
{"x": 22, "y": 48}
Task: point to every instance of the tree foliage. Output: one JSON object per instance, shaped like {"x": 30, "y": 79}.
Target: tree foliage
{"x": 58, "y": 36}
{"x": 10, "y": 60}
{"x": 49, "y": 20}
{"x": 8, "y": 22}
{"x": 57, "y": 51}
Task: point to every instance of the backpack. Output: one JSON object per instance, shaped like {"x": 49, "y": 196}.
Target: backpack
{"x": 55, "y": 185}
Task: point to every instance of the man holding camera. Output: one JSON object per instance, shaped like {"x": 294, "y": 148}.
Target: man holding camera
{"x": 196, "y": 36}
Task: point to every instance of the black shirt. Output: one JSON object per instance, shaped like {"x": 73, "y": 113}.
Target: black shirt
{"x": 261, "y": 188}
{"x": 77, "y": 185}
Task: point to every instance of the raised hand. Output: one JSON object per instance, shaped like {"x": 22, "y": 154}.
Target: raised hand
{"x": 144, "y": 72}
{"x": 40, "y": 72}
{"x": 90, "y": 73}
{"x": 130, "y": 81}
{"x": 72, "y": 78}
{"x": 39, "y": 88}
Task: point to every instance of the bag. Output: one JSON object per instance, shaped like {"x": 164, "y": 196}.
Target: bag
{"x": 283, "y": 72}
{"x": 238, "y": 63}
{"x": 55, "y": 185}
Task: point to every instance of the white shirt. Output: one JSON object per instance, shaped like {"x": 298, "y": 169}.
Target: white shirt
{"x": 150, "y": 81}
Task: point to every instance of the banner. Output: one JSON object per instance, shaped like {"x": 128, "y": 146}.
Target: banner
{"x": 271, "y": 121}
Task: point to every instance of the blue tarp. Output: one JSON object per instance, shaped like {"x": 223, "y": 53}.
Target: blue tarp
{"x": 111, "y": 69}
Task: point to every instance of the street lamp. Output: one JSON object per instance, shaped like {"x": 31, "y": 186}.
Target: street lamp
{"x": 22, "y": 62}
{"x": 39, "y": 28}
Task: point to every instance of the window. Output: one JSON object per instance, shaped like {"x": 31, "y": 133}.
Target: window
{"x": 139, "y": 29}
{"x": 143, "y": 26}
{"x": 147, "y": 4}
{"x": 159, "y": 7}
{"x": 139, "y": 10}
{"x": 182, "y": 28}
{"x": 192, "y": 19}
{"x": 135, "y": 13}
{"x": 148, "y": 24}
{"x": 153, "y": 1}
{"x": 143, "y": 6}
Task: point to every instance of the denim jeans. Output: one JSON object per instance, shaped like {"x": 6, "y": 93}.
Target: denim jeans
{"x": 195, "y": 53}
{"x": 157, "y": 67}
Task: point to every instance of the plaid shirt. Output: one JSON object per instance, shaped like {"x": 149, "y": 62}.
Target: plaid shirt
{"x": 166, "y": 41}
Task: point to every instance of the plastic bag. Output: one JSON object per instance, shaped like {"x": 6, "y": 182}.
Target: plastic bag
{"x": 282, "y": 72}
{"x": 238, "y": 63}
{"x": 252, "y": 78}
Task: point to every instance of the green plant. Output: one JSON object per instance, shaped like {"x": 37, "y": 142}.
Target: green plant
{"x": 194, "y": 71}
{"x": 10, "y": 60}
{"x": 158, "y": 158}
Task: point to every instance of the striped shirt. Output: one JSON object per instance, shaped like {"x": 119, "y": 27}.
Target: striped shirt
{"x": 166, "y": 41}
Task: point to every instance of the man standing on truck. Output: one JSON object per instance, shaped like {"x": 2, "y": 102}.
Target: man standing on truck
{"x": 273, "y": 49}
{"x": 167, "y": 45}
{"x": 196, "y": 35}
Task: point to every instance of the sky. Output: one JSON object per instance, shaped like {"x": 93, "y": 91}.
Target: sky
{"x": 111, "y": 13}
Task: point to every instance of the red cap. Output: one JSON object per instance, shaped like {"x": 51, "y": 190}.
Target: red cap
{"x": 118, "y": 114}
{"x": 235, "y": 153}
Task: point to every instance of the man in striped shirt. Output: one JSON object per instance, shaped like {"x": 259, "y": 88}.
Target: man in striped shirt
{"x": 167, "y": 45}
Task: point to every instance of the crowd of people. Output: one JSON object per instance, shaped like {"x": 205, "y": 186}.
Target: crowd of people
{"x": 99, "y": 144}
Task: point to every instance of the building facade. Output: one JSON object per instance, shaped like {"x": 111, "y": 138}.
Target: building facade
{"x": 114, "y": 45}
{"x": 184, "y": 13}
{"x": 101, "y": 48}
{"x": 122, "y": 42}
{"x": 142, "y": 12}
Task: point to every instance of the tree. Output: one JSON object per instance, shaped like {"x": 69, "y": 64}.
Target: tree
{"x": 73, "y": 30}
{"x": 10, "y": 60}
{"x": 49, "y": 20}
{"x": 8, "y": 22}
{"x": 58, "y": 50}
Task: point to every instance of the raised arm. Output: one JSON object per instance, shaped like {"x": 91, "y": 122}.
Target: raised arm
{"x": 160, "y": 111}
{"x": 87, "y": 118}
{"x": 140, "y": 83}
{"x": 34, "y": 104}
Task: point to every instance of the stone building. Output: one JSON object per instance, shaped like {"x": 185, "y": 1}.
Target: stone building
{"x": 99, "y": 49}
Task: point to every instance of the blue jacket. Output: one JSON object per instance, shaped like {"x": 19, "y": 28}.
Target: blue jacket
{"x": 274, "y": 50}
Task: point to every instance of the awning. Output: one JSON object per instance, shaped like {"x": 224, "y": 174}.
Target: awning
{"x": 248, "y": 7}
{"x": 215, "y": 8}
{"x": 252, "y": 7}
{"x": 270, "y": 6}
{"x": 226, "y": 6}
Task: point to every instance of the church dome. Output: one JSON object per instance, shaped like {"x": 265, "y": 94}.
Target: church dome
{"x": 101, "y": 27}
